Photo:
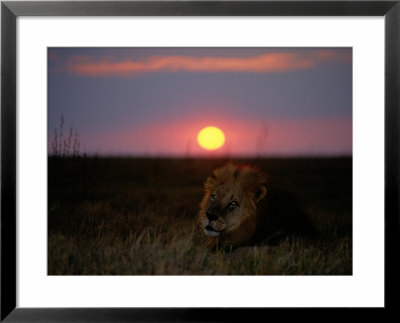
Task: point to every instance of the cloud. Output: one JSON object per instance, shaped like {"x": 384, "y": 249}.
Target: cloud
{"x": 332, "y": 55}
{"x": 266, "y": 63}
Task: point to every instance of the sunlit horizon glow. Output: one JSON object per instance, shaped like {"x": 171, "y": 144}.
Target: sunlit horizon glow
{"x": 154, "y": 101}
{"x": 211, "y": 138}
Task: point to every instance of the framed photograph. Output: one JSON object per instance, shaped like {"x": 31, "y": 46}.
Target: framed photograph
{"x": 162, "y": 159}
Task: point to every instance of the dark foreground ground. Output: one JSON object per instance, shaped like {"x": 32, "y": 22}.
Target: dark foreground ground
{"x": 125, "y": 216}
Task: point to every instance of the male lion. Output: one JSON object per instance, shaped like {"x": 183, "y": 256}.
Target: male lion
{"x": 242, "y": 207}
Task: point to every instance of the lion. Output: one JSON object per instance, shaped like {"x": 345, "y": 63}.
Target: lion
{"x": 241, "y": 206}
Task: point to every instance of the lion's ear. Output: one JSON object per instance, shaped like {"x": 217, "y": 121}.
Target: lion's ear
{"x": 260, "y": 193}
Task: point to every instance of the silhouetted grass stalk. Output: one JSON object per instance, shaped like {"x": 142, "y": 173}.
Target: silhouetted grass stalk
{"x": 65, "y": 146}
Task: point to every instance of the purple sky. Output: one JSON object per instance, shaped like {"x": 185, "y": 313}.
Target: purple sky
{"x": 154, "y": 101}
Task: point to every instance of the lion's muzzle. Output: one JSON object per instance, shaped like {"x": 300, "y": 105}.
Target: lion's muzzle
{"x": 213, "y": 224}
{"x": 209, "y": 231}
{"x": 211, "y": 216}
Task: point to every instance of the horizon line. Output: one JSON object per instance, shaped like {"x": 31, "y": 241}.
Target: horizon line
{"x": 94, "y": 155}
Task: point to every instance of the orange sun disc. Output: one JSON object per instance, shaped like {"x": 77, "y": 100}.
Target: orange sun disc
{"x": 211, "y": 138}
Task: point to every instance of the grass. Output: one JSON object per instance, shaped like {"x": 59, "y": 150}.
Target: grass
{"x": 126, "y": 216}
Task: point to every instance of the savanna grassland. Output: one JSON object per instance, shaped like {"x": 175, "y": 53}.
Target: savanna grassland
{"x": 137, "y": 216}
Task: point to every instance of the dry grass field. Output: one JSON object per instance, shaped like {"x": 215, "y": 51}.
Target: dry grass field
{"x": 136, "y": 216}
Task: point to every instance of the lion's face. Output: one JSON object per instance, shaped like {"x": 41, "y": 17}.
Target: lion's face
{"x": 224, "y": 210}
{"x": 230, "y": 202}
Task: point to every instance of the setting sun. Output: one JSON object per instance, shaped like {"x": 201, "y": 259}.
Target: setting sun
{"x": 210, "y": 138}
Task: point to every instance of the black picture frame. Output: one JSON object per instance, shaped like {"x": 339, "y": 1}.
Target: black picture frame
{"x": 10, "y": 10}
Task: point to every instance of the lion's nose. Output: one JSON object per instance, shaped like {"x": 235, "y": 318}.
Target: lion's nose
{"x": 211, "y": 217}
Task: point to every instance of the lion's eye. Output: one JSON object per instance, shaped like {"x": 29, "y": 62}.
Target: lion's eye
{"x": 233, "y": 204}
{"x": 213, "y": 196}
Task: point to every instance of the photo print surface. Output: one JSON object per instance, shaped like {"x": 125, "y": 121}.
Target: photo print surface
{"x": 200, "y": 161}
